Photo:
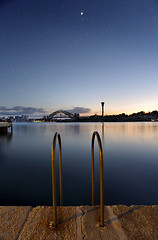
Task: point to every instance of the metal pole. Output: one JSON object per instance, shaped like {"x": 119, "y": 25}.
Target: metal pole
{"x": 92, "y": 154}
{"x": 54, "y": 183}
{"x": 60, "y": 170}
{"x": 101, "y": 176}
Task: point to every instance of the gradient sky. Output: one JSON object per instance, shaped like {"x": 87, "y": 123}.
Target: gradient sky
{"x": 52, "y": 57}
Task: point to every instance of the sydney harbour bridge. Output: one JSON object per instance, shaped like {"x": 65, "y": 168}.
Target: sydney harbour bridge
{"x": 62, "y": 114}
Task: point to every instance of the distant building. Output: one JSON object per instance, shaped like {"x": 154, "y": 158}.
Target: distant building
{"x": 23, "y": 118}
{"x": 17, "y": 118}
{"x": 11, "y": 119}
{"x": 102, "y": 105}
{"x": 2, "y": 119}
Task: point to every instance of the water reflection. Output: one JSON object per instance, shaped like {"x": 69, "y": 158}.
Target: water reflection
{"x": 130, "y": 163}
{"x": 5, "y": 139}
{"x": 103, "y": 133}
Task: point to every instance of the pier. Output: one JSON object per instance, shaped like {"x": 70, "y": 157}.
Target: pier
{"x": 4, "y": 127}
{"x": 79, "y": 222}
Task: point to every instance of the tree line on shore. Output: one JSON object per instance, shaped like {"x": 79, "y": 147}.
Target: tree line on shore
{"x": 139, "y": 116}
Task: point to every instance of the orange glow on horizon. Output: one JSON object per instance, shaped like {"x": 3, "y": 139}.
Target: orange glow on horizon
{"x": 110, "y": 110}
{"x": 117, "y": 112}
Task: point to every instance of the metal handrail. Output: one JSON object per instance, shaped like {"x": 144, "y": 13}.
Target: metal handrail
{"x": 101, "y": 176}
{"x": 54, "y": 178}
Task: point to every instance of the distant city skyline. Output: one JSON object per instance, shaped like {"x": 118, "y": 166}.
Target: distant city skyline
{"x": 74, "y": 54}
{"x": 31, "y": 112}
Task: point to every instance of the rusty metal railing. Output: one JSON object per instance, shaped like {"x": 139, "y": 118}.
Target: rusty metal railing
{"x": 56, "y": 135}
{"x": 101, "y": 176}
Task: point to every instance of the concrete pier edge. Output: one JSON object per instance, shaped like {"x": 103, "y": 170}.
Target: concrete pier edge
{"x": 79, "y": 222}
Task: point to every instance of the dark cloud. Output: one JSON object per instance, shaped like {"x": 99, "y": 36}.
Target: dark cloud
{"x": 18, "y": 110}
{"x": 79, "y": 110}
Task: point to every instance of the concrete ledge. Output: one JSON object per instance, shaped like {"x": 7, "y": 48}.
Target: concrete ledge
{"x": 12, "y": 220}
{"x": 5, "y": 124}
{"x": 121, "y": 222}
{"x": 4, "y": 127}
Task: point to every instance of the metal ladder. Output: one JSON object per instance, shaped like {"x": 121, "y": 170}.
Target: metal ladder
{"x": 60, "y": 176}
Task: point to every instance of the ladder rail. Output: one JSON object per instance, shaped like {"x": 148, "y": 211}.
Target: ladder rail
{"x": 56, "y": 136}
{"x": 96, "y": 134}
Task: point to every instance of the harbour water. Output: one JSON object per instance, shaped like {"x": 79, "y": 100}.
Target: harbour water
{"x": 130, "y": 153}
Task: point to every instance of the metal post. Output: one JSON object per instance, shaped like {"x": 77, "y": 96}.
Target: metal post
{"x": 54, "y": 177}
{"x": 60, "y": 170}
{"x": 101, "y": 176}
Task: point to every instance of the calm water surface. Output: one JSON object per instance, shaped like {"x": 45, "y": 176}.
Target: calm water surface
{"x": 130, "y": 163}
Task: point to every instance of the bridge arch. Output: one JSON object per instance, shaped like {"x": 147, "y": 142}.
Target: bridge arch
{"x": 70, "y": 115}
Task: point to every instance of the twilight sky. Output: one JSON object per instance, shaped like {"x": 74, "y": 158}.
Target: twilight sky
{"x": 54, "y": 57}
